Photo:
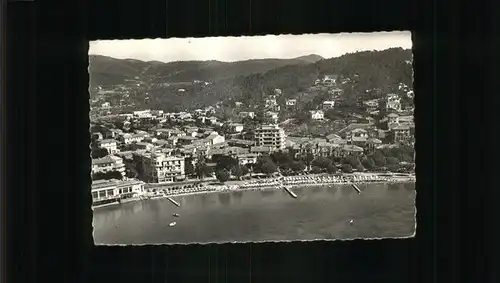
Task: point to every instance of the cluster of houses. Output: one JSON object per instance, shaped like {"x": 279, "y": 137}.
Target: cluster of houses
{"x": 159, "y": 154}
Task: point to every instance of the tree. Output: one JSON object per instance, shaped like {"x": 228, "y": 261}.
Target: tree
{"x": 378, "y": 158}
{"x": 237, "y": 171}
{"x": 331, "y": 168}
{"x": 244, "y": 170}
{"x": 321, "y": 162}
{"x": 99, "y": 152}
{"x": 189, "y": 167}
{"x": 222, "y": 175}
{"x": 224, "y": 162}
{"x": 202, "y": 170}
{"x": 352, "y": 160}
{"x": 346, "y": 168}
{"x": 368, "y": 163}
{"x": 308, "y": 158}
{"x": 268, "y": 167}
{"x": 392, "y": 161}
{"x": 298, "y": 166}
{"x": 316, "y": 170}
{"x": 360, "y": 167}
{"x": 281, "y": 158}
{"x": 107, "y": 176}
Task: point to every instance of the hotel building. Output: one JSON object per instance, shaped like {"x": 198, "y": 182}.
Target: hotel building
{"x": 271, "y": 136}
{"x": 160, "y": 168}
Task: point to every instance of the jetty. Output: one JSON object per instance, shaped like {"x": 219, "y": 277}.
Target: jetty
{"x": 173, "y": 201}
{"x": 356, "y": 188}
{"x": 290, "y": 192}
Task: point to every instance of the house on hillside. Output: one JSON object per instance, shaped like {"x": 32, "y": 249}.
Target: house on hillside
{"x": 291, "y": 102}
{"x": 330, "y": 79}
{"x": 393, "y": 102}
{"x": 235, "y": 127}
{"x": 109, "y": 145}
{"x": 246, "y": 114}
{"x": 328, "y": 105}
{"x": 272, "y": 115}
{"x": 317, "y": 115}
{"x": 402, "y": 134}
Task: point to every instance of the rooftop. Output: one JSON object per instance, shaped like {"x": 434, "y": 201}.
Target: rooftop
{"x": 107, "y": 141}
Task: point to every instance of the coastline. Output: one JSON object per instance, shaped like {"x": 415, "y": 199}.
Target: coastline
{"x": 269, "y": 184}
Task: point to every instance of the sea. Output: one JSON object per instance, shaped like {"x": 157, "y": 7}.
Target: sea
{"x": 333, "y": 212}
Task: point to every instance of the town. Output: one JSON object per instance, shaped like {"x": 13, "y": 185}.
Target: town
{"x": 149, "y": 149}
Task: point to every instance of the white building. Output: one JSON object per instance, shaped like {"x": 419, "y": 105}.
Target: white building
{"x": 214, "y": 138}
{"x": 109, "y": 145}
{"x": 271, "y": 136}
{"x": 393, "y": 102}
{"x": 107, "y": 164}
{"x": 143, "y": 114}
{"x": 131, "y": 138}
{"x": 328, "y": 105}
{"x": 247, "y": 158}
{"x": 271, "y": 102}
{"x": 105, "y": 190}
{"x": 317, "y": 115}
{"x": 245, "y": 114}
{"x": 159, "y": 168}
{"x": 236, "y": 127}
{"x": 291, "y": 102}
{"x": 272, "y": 115}
{"x": 106, "y": 105}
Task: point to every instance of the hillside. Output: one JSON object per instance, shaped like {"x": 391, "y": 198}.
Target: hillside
{"x": 105, "y": 71}
{"x": 249, "y": 81}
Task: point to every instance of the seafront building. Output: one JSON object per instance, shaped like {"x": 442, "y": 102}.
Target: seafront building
{"x": 155, "y": 167}
{"x": 271, "y": 136}
{"x": 112, "y": 190}
{"x": 107, "y": 164}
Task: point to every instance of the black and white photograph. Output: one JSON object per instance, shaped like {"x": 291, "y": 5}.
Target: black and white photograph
{"x": 252, "y": 139}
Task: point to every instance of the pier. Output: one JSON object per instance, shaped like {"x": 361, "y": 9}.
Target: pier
{"x": 173, "y": 201}
{"x": 290, "y": 192}
{"x": 356, "y": 188}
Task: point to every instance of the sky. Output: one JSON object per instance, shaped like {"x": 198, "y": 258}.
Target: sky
{"x": 230, "y": 49}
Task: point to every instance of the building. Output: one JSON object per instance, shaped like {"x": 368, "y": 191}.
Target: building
{"x": 317, "y": 115}
{"x": 328, "y": 105}
{"x": 401, "y": 134}
{"x": 392, "y": 118}
{"x": 131, "y": 138}
{"x": 143, "y": 114}
{"x": 247, "y": 158}
{"x": 393, "y": 102}
{"x": 236, "y": 127}
{"x": 271, "y": 136}
{"x": 246, "y": 114}
{"x": 271, "y": 102}
{"x": 160, "y": 168}
{"x": 104, "y": 191}
{"x": 108, "y": 163}
{"x": 291, "y": 102}
{"x": 109, "y": 145}
{"x": 214, "y": 138}
{"x": 273, "y": 116}
{"x": 106, "y": 105}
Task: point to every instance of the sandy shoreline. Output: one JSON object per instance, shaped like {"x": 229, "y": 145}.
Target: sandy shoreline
{"x": 267, "y": 184}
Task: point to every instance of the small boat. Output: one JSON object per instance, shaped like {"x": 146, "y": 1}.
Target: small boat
{"x": 351, "y": 222}
{"x": 172, "y": 224}
{"x": 176, "y": 215}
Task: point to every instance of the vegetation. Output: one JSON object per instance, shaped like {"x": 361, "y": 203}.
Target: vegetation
{"x": 347, "y": 168}
{"x": 249, "y": 81}
{"x": 107, "y": 176}
{"x": 222, "y": 175}
{"x": 98, "y": 152}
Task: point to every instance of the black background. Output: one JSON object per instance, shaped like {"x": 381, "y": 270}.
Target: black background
{"x": 49, "y": 221}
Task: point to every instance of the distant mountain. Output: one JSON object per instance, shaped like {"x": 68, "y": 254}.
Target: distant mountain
{"x": 313, "y": 58}
{"x": 106, "y": 71}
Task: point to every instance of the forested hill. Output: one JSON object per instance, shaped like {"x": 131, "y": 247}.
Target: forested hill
{"x": 356, "y": 72}
{"x": 107, "y": 71}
